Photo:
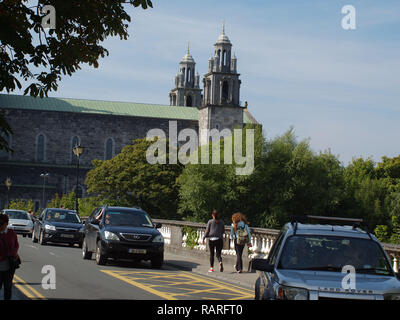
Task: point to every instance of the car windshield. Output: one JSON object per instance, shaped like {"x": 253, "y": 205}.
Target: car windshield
{"x": 132, "y": 218}
{"x": 330, "y": 253}
{"x": 17, "y": 215}
{"x": 62, "y": 216}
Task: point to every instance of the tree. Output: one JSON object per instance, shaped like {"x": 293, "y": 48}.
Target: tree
{"x": 129, "y": 179}
{"x": 31, "y": 53}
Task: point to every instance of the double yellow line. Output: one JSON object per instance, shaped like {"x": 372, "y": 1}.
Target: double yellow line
{"x": 26, "y": 289}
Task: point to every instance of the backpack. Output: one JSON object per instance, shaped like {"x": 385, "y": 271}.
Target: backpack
{"x": 242, "y": 237}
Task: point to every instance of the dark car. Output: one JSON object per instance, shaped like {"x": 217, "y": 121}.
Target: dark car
{"x": 122, "y": 233}
{"x": 59, "y": 226}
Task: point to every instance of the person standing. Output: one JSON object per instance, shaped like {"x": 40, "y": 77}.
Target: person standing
{"x": 240, "y": 233}
{"x": 215, "y": 232}
{"x": 8, "y": 248}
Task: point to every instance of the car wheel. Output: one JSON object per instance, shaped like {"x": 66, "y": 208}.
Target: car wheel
{"x": 87, "y": 255}
{"x": 34, "y": 240}
{"x": 101, "y": 259}
{"x": 157, "y": 262}
{"x": 41, "y": 238}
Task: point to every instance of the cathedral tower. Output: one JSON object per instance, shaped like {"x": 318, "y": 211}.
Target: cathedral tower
{"x": 187, "y": 90}
{"x": 220, "y": 108}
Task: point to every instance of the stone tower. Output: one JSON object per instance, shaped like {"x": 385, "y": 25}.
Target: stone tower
{"x": 187, "y": 90}
{"x": 220, "y": 107}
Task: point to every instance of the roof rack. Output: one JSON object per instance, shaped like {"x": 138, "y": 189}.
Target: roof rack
{"x": 357, "y": 223}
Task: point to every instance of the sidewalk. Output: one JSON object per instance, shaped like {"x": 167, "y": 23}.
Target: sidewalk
{"x": 201, "y": 266}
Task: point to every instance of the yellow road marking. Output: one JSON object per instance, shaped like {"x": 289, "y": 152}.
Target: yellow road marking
{"x": 143, "y": 279}
{"x": 23, "y": 286}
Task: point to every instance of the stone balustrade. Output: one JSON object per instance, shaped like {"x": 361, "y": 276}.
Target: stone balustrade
{"x": 262, "y": 240}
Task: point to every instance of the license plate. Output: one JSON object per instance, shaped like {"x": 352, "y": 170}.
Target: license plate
{"x": 142, "y": 251}
{"x": 67, "y": 235}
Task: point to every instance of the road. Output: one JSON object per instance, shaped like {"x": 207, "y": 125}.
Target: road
{"x": 76, "y": 278}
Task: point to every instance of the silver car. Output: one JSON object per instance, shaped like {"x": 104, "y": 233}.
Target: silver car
{"x": 20, "y": 221}
{"x": 326, "y": 262}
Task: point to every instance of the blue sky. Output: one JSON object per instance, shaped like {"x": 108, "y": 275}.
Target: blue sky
{"x": 299, "y": 67}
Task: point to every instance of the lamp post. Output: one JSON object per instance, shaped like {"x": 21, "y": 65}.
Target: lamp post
{"x": 44, "y": 176}
{"x": 78, "y": 150}
{"x": 8, "y": 185}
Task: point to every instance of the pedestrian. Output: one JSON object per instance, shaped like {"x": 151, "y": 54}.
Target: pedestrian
{"x": 8, "y": 255}
{"x": 215, "y": 232}
{"x": 240, "y": 233}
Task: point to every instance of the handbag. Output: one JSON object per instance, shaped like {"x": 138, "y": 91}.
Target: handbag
{"x": 14, "y": 262}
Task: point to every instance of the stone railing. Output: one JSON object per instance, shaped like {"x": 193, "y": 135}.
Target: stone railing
{"x": 261, "y": 239}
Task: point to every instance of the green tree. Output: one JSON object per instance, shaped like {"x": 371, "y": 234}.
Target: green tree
{"x": 130, "y": 180}
{"x": 42, "y": 57}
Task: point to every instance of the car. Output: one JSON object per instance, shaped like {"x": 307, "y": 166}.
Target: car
{"x": 58, "y": 226}
{"x": 20, "y": 221}
{"x": 319, "y": 261}
{"x": 122, "y": 233}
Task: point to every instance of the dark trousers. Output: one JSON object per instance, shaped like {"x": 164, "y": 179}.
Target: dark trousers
{"x": 215, "y": 245}
{"x": 239, "y": 252}
{"x": 6, "y": 278}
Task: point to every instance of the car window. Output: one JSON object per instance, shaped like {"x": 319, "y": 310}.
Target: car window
{"x": 62, "y": 216}
{"x": 132, "y": 218}
{"x": 332, "y": 253}
{"x": 275, "y": 248}
{"x": 17, "y": 215}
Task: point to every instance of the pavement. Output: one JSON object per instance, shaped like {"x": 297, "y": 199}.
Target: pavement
{"x": 201, "y": 266}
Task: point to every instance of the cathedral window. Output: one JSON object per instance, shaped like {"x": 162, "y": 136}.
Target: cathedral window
{"x": 189, "y": 101}
{"x": 40, "y": 148}
{"x": 109, "y": 152}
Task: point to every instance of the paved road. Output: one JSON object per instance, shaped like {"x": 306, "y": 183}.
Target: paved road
{"x": 84, "y": 279}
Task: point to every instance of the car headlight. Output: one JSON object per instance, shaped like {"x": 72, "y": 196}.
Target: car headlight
{"x": 158, "y": 238}
{"x": 50, "y": 227}
{"x": 392, "y": 296}
{"x": 291, "y": 293}
{"x": 110, "y": 236}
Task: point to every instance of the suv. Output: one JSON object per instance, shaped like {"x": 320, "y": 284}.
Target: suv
{"x": 311, "y": 261}
{"x": 122, "y": 233}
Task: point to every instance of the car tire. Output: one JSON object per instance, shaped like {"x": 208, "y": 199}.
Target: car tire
{"x": 34, "y": 240}
{"x": 41, "y": 239}
{"x": 87, "y": 255}
{"x": 101, "y": 259}
{"x": 257, "y": 290}
{"x": 157, "y": 261}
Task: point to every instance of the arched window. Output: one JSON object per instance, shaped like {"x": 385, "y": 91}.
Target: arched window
{"x": 40, "y": 148}
{"x": 224, "y": 58}
{"x": 75, "y": 141}
{"x": 189, "y": 75}
{"x": 109, "y": 152}
{"x": 189, "y": 101}
{"x": 219, "y": 57}
{"x": 174, "y": 100}
{"x": 184, "y": 74}
{"x": 225, "y": 92}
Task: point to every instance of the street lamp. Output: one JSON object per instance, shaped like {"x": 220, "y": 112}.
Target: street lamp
{"x": 44, "y": 176}
{"x": 78, "y": 150}
{"x": 8, "y": 185}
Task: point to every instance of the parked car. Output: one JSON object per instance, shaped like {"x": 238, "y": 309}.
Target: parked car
{"x": 122, "y": 233}
{"x": 312, "y": 261}
{"x": 20, "y": 221}
{"x": 58, "y": 226}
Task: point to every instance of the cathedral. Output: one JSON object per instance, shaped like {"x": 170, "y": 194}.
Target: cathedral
{"x": 46, "y": 130}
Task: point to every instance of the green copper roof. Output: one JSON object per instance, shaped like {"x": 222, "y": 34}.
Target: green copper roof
{"x": 101, "y": 107}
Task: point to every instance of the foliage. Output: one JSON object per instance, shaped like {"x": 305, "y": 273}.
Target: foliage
{"x": 192, "y": 237}
{"x": 130, "y": 180}
{"x": 21, "y": 204}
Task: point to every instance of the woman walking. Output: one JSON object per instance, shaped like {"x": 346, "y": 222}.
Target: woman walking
{"x": 240, "y": 233}
{"x": 8, "y": 252}
{"x": 215, "y": 232}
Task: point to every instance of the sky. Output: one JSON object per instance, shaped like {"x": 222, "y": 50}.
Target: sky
{"x": 338, "y": 88}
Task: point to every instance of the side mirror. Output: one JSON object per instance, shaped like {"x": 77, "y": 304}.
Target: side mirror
{"x": 261, "y": 265}
{"x": 158, "y": 225}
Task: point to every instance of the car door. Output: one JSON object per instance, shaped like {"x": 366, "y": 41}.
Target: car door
{"x": 37, "y": 225}
{"x": 91, "y": 230}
